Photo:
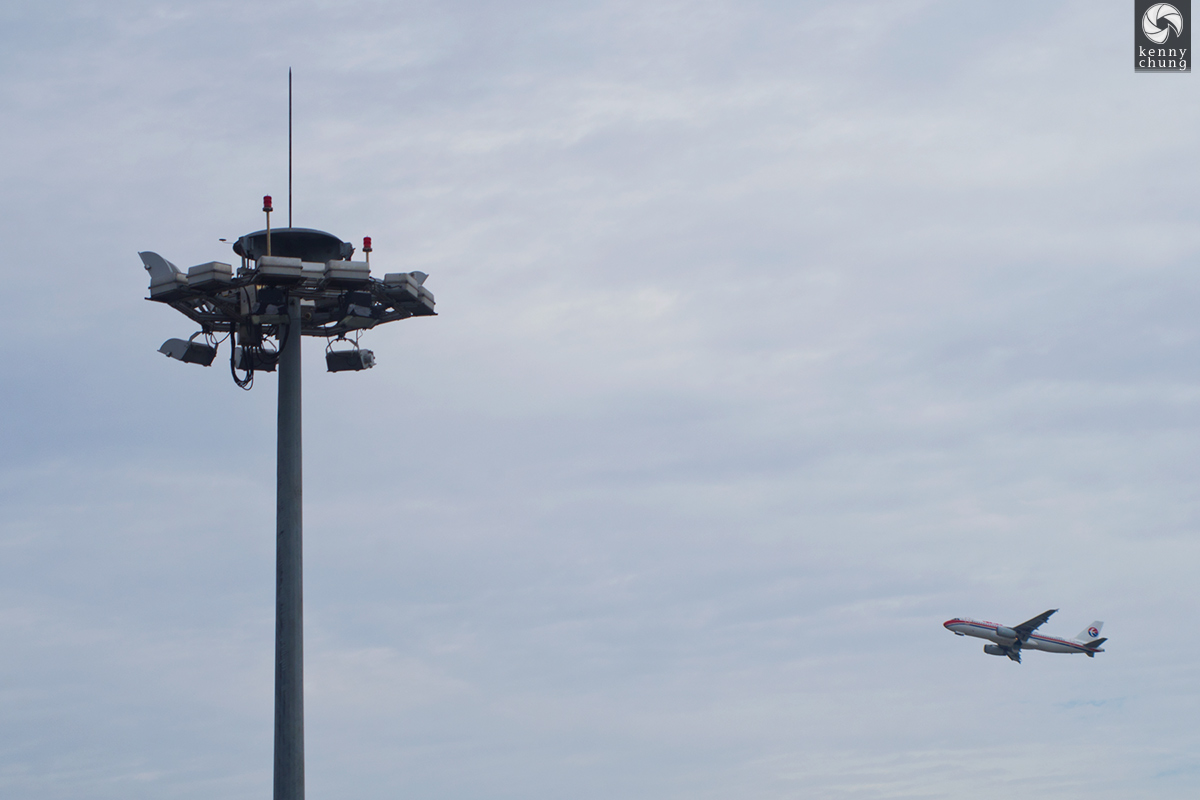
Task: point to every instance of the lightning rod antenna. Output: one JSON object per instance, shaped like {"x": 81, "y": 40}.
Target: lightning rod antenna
{"x": 289, "y": 147}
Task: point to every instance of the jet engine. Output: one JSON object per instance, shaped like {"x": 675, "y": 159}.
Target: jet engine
{"x": 1006, "y": 633}
{"x": 995, "y": 650}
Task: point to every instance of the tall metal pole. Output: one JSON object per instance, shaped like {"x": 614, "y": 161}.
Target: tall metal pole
{"x": 289, "y": 147}
{"x": 289, "y": 602}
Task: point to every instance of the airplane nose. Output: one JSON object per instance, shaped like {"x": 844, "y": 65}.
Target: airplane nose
{"x": 946, "y": 624}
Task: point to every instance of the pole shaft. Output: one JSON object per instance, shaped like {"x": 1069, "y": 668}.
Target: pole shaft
{"x": 289, "y": 602}
{"x": 289, "y": 147}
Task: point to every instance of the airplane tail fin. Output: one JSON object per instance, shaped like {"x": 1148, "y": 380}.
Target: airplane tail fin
{"x": 1091, "y": 633}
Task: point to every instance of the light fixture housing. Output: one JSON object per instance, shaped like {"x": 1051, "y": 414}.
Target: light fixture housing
{"x": 213, "y": 276}
{"x": 189, "y": 352}
{"x": 279, "y": 270}
{"x": 270, "y": 306}
{"x": 255, "y": 359}
{"x": 349, "y": 360}
{"x": 349, "y": 274}
{"x": 359, "y": 311}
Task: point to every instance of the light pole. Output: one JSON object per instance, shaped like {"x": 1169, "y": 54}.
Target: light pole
{"x": 292, "y": 282}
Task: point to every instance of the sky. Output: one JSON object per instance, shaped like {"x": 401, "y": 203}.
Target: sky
{"x": 771, "y": 336}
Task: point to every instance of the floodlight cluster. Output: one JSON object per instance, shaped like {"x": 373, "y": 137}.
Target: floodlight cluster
{"x": 338, "y": 300}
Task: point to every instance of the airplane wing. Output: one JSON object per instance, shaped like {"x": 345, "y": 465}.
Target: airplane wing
{"x": 1030, "y": 625}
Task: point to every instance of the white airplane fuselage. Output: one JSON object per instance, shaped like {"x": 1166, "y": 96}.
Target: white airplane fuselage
{"x": 1007, "y": 637}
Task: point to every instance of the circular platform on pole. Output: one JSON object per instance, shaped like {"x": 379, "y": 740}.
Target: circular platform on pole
{"x": 305, "y": 244}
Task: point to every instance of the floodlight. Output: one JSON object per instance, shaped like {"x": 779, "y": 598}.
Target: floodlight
{"x": 401, "y": 286}
{"x": 424, "y": 306}
{"x": 270, "y": 306}
{"x": 189, "y": 352}
{"x": 349, "y": 360}
{"x": 312, "y": 271}
{"x": 255, "y": 359}
{"x": 167, "y": 282}
{"x": 213, "y": 275}
{"x": 347, "y": 273}
{"x": 358, "y": 310}
{"x": 280, "y": 269}
{"x": 409, "y": 292}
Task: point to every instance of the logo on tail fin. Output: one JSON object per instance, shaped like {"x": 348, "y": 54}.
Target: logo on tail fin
{"x": 1093, "y": 631}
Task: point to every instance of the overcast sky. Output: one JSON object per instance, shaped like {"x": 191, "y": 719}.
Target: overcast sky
{"x": 771, "y": 335}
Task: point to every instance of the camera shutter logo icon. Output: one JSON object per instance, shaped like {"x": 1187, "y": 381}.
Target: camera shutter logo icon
{"x": 1159, "y": 20}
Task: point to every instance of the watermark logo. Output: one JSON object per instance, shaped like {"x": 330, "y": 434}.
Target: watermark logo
{"x": 1162, "y": 36}
{"x": 1160, "y": 20}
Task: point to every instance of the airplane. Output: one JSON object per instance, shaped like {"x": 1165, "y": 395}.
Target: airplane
{"x": 1011, "y": 641}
